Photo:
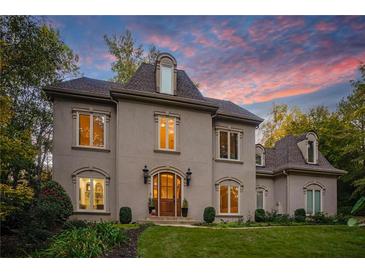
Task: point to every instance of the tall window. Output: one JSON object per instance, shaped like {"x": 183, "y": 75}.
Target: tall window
{"x": 258, "y": 159}
{"x": 166, "y": 80}
{"x": 310, "y": 151}
{"x": 91, "y": 130}
{"x": 260, "y": 199}
{"x": 228, "y": 145}
{"x": 314, "y": 201}
{"x": 228, "y": 199}
{"x": 167, "y": 133}
{"x": 91, "y": 194}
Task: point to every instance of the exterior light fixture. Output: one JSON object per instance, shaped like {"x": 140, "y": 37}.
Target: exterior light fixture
{"x": 188, "y": 177}
{"x": 145, "y": 174}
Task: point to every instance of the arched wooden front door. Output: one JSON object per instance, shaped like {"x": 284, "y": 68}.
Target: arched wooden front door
{"x": 167, "y": 194}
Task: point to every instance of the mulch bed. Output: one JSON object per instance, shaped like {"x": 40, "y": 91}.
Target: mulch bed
{"x": 128, "y": 250}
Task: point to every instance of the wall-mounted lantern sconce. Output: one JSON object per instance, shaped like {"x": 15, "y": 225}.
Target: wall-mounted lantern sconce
{"x": 145, "y": 174}
{"x": 188, "y": 177}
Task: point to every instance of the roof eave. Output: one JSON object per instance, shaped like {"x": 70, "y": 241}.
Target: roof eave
{"x": 74, "y": 93}
{"x": 238, "y": 118}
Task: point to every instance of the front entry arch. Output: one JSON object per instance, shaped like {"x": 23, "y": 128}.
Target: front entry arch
{"x": 167, "y": 193}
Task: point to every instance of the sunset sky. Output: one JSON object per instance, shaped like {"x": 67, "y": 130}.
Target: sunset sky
{"x": 253, "y": 61}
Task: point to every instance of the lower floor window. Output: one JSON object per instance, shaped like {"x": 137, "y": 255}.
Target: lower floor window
{"x": 91, "y": 194}
{"x": 314, "y": 201}
{"x": 260, "y": 199}
{"x": 228, "y": 197}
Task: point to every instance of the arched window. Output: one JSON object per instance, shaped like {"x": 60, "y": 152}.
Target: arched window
{"x": 166, "y": 73}
{"x": 261, "y": 192}
{"x": 313, "y": 198}
{"x": 229, "y": 196}
{"x": 260, "y": 155}
{"x": 91, "y": 185}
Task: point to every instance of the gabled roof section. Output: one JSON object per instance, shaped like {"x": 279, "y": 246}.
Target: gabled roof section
{"x": 145, "y": 80}
{"x": 287, "y": 155}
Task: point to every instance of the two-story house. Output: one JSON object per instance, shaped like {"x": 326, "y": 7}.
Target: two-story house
{"x": 158, "y": 137}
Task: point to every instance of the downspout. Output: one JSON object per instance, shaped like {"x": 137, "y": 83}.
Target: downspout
{"x": 116, "y": 158}
{"x": 287, "y": 191}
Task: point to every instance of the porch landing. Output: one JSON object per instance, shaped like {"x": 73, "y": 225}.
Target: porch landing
{"x": 169, "y": 220}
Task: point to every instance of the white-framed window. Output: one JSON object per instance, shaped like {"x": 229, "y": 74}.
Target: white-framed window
{"x": 260, "y": 155}
{"x": 91, "y": 194}
{"x": 167, "y": 133}
{"x": 228, "y": 145}
{"x": 313, "y": 201}
{"x": 312, "y": 148}
{"x": 260, "y": 199}
{"x": 167, "y": 80}
{"x": 90, "y": 130}
{"x": 229, "y": 199}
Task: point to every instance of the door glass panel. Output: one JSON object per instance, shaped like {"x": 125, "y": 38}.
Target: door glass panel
{"x": 171, "y": 133}
{"x": 317, "y": 201}
{"x": 234, "y": 146}
{"x": 99, "y": 190}
{"x": 163, "y": 132}
{"x": 170, "y": 186}
{"x": 155, "y": 187}
{"x": 234, "y": 199}
{"x": 260, "y": 200}
{"x": 84, "y": 130}
{"x": 163, "y": 186}
{"x": 224, "y": 199}
{"x": 178, "y": 187}
{"x": 223, "y": 144}
{"x": 310, "y": 201}
{"x": 84, "y": 193}
{"x": 98, "y": 133}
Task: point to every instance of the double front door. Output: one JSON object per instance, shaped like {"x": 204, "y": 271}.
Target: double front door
{"x": 167, "y": 194}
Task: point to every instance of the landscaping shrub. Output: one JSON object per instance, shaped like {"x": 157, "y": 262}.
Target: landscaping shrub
{"x": 125, "y": 215}
{"x": 53, "y": 205}
{"x": 299, "y": 215}
{"x": 209, "y": 214}
{"x": 320, "y": 218}
{"x": 75, "y": 224}
{"x": 260, "y": 215}
{"x": 86, "y": 242}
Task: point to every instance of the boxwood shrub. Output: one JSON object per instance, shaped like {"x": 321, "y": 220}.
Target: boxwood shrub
{"x": 299, "y": 215}
{"x": 125, "y": 215}
{"x": 259, "y": 215}
{"x": 209, "y": 214}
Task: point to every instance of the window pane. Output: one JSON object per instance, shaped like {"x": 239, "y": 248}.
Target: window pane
{"x": 166, "y": 81}
{"x": 260, "y": 200}
{"x": 98, "y": 134}
{"x": 99, "y": 190}
{"x": 310, "y": 151}
{"x": 234, "y": 199}
{"x": 171, "y": 133}
{"x": 310, "y": 201}
{"x": 223, "y": 146}
{"x": 317, "y": 201}
{"x": 170, "y": 184}
{"x": 223, "y": 199}
{"x": 234, "y": 146}
{"x": 155, "y": 186}
{"x": 163, "y": 132}
{"x": 84, "y": 193}
{"x": 84, "y": 129}
{"x": 258, "y": 159}
{"x": 178, "y": 187}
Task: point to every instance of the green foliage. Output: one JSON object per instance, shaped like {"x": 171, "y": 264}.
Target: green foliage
{"x": 53, "y": 206}
{"x": 320, "y": 218}
{"x": 151, "y": 203}
{"x": 209, "y": 214}
{"x": 125, "y": 215}
{"x": 128, "y": 56}
{"x": 185, "y": 204}
{"x": 70, "y": 224}
{"x": 14, "y": 200}
{"x": 299, "y": 215}
{"x": 260, "y": 215}
{"x": 85, "y": 242}
{"x": 360, "y": 205}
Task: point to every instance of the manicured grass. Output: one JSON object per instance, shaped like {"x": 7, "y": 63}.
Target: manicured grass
{"x": 293, "y": 241}
{"x": 127, "y": 226}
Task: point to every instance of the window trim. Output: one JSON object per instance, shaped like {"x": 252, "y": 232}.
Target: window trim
{"x": 228, "y": 145}
{"x": 167, "y": 133}
{"x": 229, "y": 184}
{"x": 313, "y": 200}
{"x": 78, "y": 209}
{"x": 91, "y": 114}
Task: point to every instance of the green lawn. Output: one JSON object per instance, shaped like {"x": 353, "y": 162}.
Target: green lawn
{"x": 306, "y": 241}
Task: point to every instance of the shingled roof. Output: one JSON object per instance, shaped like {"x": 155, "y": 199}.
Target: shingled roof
{"x": 287, "y": 155}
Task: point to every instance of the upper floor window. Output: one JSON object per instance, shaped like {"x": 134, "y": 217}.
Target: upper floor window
{"x": 91, "y": 130}
{"x": 167, "y": 133}
{"x": 91, "y": 194}
{"x": 228, "y": 145}
{"x": 260, "y": 155}
{"x": 312, "y": 153}
{"x": 166, "y": 80}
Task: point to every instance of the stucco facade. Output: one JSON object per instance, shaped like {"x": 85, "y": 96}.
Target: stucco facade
{"x": 129, "y": 164}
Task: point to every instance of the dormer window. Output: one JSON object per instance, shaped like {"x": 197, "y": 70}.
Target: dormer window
{"x": 260, "y": 155}
{"x": 166, "y": 74}
{"x": 312, "y": 148}
{"x": 310, "y": 151}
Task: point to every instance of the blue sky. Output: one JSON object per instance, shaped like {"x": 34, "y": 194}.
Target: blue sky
{"x": 254, "y": 61}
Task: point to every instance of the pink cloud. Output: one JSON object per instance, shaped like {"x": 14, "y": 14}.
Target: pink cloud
{"x": 169, "y": 42}
{"x": 325, "y": 27}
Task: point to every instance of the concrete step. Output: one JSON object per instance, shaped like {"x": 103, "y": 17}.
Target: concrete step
{"x": 168, "y": 220}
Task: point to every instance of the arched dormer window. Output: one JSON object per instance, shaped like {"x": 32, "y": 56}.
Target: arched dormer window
{"x": 312, "y": 148}
{"x": 166, "y": 74}
{"x": 260, "y": 155}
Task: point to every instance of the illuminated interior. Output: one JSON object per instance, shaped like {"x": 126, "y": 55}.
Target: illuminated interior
{"x": 228, "y": 199}
{"x": 98, "y": 130}
{"x": 84, "y": 132}
{"x": 91, "y": 189}
{"x": 167, "y": 133}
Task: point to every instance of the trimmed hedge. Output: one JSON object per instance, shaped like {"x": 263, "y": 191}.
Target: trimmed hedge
{"x": 209, "y": 214}
{"x": 125, "y": 215}
{"x": 260, "y": 215}
{"x": 299, "y": 215}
